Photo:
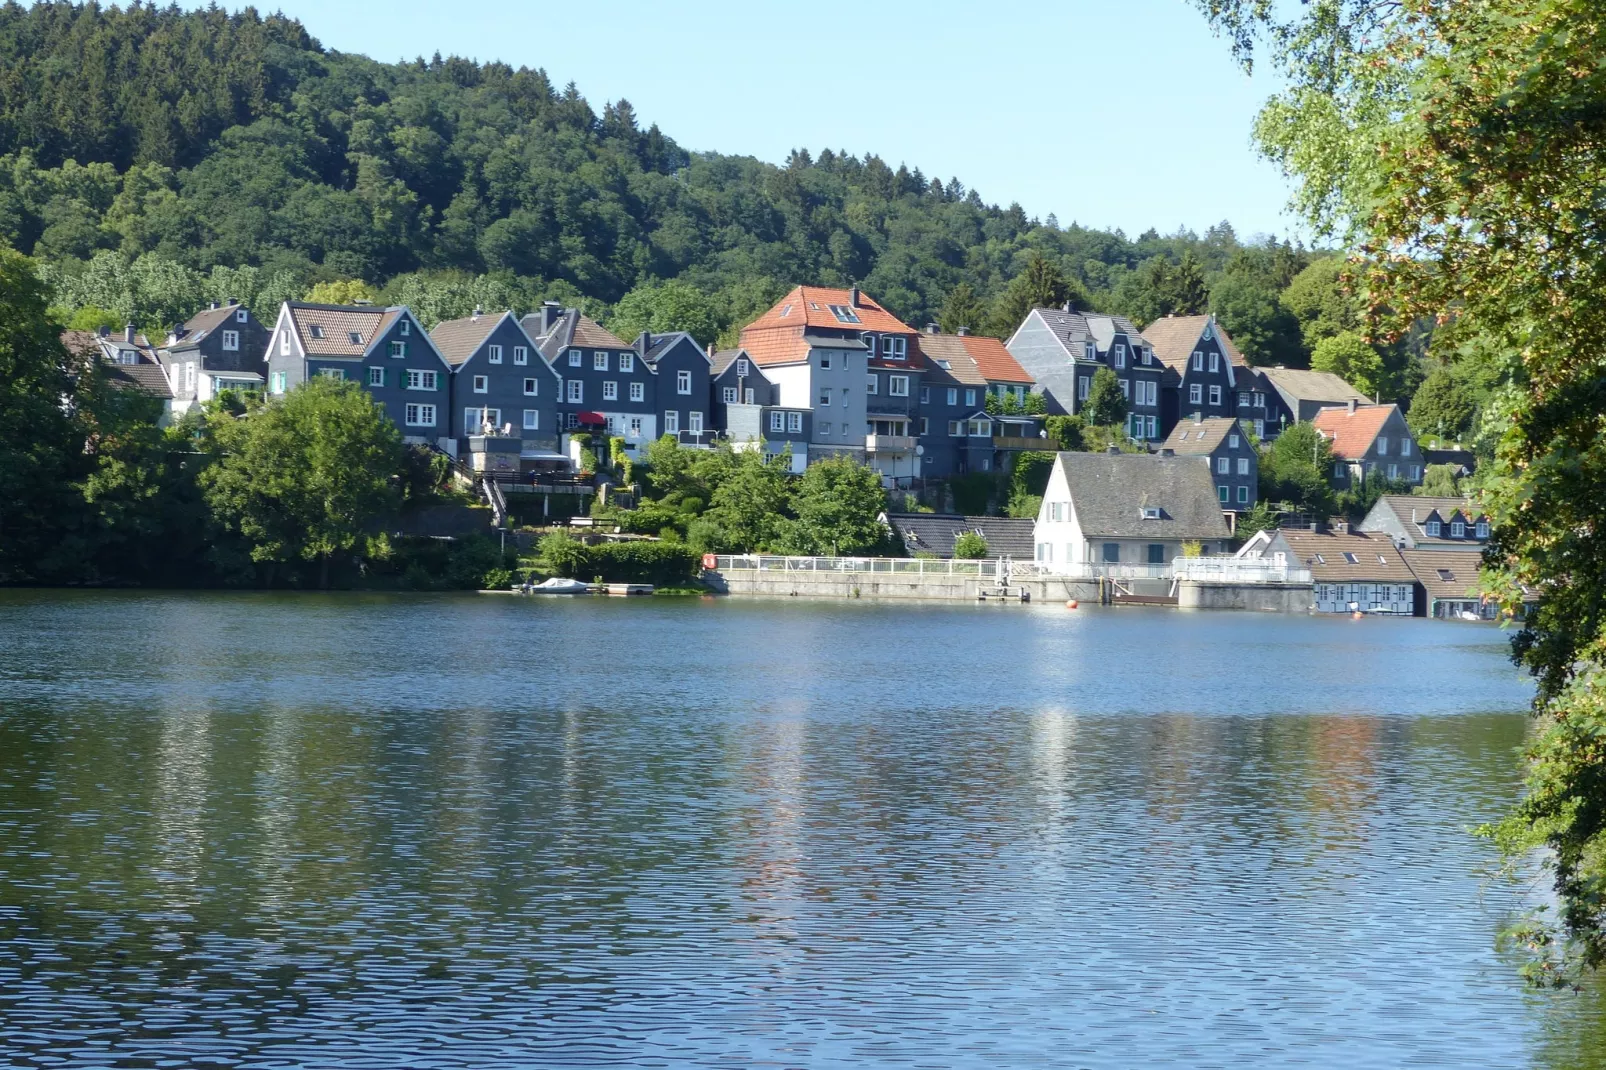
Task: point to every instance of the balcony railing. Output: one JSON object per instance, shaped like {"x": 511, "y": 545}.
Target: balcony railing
{"x": 909, "y": 566}
{"x": 889, "y": 443}
{"x": 1017, "y": 442}
{"x": 1237, "y": 570}
{"x": 1093, "y": 570}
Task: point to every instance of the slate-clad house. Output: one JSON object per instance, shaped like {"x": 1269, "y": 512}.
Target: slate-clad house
{"x": 131, "y": 363}
{"x": 1062, "y": 350}
{"x": 957, "y": 435}
{"x": 607, "y": 387}
{"x": 1295, "y": 395}
{"x": 818, "y": 347}
{"x": 1203, "y": 369}
{"x": 745, "y": 410}
{"x": 220, "y": 348}
{"x": 1418, "y": 523}
{"x": 1234, "y": 464}
{"x": 1104, "y": 509}
{"x": 386, "y": 350}
{"x": 936, "y": 533}
{"x": 1370, "y": 440}
{"x": 1351, "y": 571}
{"x": 736, "y": 380}
{"x": 680, "y": 368}
{"x": 499, "y": 382}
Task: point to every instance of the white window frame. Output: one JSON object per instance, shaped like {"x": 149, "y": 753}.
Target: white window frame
{"x": 794, "y": 423}
{"x": 493, "y": 354}
{"x": 1243, "y": 466}
{"x": 871, "y": 385}
{"x": 532, "y": 419}
{"x": 898, "y": 386}
{"x": 406, "y": 327}
{"x": 1195, "y": 394}
{"x": 376, "y": 376}
{"x": 683, "y": 382}
{"x": 532, "y": 388}
{"x": 575, "y": 357}
{"x": 694, "y": 422}
{"x": 1198, "y": 360}
{"x": 420, "y": 414}
{"x": 635, "y": 427}
{"x": 398, "y": 350}
{"x": 189, "y": 375}
{"x": 577, "y": 392}
{"x": 777, "y": 421}
{"x": 418, "y": 379}
{"x": 638, "y": 392}
{"x": 599, "y": 360}
{"x": 1081, "y": 387}
{"x": 1215, "y": 362}
{"x": 1215, "y": 395}
{"x": 610, "y": 390}
{"x": 284, "y": 344}
{"x": 521, "y": 355}
{"x": 1120, "y": 355}
{"x": 1382, "y": 445}
{"x": 482, "y": 384}
{"x": 728, "y": 395}
{"x": 1223, "y": 466}
{"x": 671, "y": 422}
{"x": 242, "y": 316}
{"x": 742, "y": 368}
{"x": 627, "y": 362}
{"x": 953, "y": 395}
{"x": 476, "y": 415}
{"x": 970, "y": 398}
{"x": 231, "y": 341}
{"x": 825, "y": 396}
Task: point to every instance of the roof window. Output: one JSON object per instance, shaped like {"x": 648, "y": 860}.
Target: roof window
{"x": 786, "y": 310}
{"x": 844, "y": 314}
{"x": 1351, "y": 558}
{"x": 1320, "y": 560}
{"x": 1151, "y": 513}
{"x": 316, "y": 330}
{"x": 1445, "y": 574}
{"x": 355, "y": 336}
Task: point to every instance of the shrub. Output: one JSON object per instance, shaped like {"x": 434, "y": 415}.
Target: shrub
{"x": 970, "y": 546}
{"x": 661, "y": 564}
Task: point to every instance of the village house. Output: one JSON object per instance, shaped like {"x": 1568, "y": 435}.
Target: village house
{"x": 1296, "y": 395}
{"x": 745, "y": 411}
{"x": 384, "y": 350}
{"x": 1370, "y": 440}
{"x": 1420, "y": 523}
{"x": 1234, "y": 462}
{"x": 935, "y": 534}
{"x": 129, "y": 360}
{"x": 1202, "y": 371}
{"x": 220, "y": 348}
{"x": 1062, "y": 350}
{"x": 822, "y": 349}
{"x": 680, "y": 369}
{"x": 1105, "y": 509}
{"x": 1351, "y": 571}
{"x": 957, "y": 432}
{"x": 500, "y": 387}
{"x": 1447, "y": 584}
{"x": 607, "y": 388}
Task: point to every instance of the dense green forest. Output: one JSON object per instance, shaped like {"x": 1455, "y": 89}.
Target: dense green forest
{"x": 151, "y": 158}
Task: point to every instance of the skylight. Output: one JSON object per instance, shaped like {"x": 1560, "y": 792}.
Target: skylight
{"x": 355, "y": 336}
{"x": 317, "y": 330}
{"x": 1445, "y": 574}
{"x": 1351, "y": 558}
{"x": 786, "y": 310}
{"x": 844, "y": 314}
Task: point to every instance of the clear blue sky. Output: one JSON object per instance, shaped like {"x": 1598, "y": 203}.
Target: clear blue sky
{"x": 1112, "y": 113}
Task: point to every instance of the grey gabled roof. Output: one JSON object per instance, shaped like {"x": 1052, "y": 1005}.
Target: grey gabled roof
{"x": 458, "y": 339}
{"x": 1193, "y": 437}
{"x": 1110, "y": 491}
{"x": 724, "y": 358}
{"x": 935, "y": 533}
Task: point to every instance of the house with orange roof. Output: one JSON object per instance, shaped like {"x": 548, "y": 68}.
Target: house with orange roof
{"x": 1370, "y": 440}
{"x": 853, "y": 365}
{"x": 958, "y": 434}
{"x": 384, "y": 350}
{"x": 1062, "y": 349}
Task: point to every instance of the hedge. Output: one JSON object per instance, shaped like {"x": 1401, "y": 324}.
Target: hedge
{"x": 661, "y": 564}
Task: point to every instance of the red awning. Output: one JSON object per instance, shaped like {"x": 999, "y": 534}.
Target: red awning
{"x": 591, "y": 418}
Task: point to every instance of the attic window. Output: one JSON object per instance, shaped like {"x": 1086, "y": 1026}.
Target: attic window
{"x": 844, "y": 314}
{"x": 786, "y": 310}
{"x": 1382, "y": 560}
{"x": 814, "y": 305}
{"x": 316, "y": 330}
{"x": 1445, "y": 574}
{"x": 1351, "y": 558}
{"x": 1320, "y": 560}
{"x": 1151, "y": 513}
{"x": 355, "y": 336}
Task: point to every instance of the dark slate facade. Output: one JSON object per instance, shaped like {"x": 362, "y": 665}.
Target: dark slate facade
{"x": 681, "y": 371}
{"x": 219, "y": 348}
{"x": 499, "y": 375}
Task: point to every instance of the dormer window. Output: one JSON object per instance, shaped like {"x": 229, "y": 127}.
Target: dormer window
{"x": 1432, "y": 528}
{"x": 1090, "y": 351}
{"x": 1482, "y": 529}
{"x": 894, "y": 347}
{"x": 1151, "y": 512}
{"x": 844, "y": 314}
{"x": 869, "y": 341}
{"x": 1458, "y": 530}
{"x": 316, "y": 330}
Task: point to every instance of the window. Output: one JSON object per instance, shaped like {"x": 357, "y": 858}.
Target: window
{"x": 925, "y": 395}
{"x": 671, "y": 422}
{"x": 189, "y": 375}
{"x": 1112, "y": 551}
{"x": 1432, "y": 528}
{"x": 777, "y": 420}
{"x": 786, "y": 310}
{"x": 1090, "y": 351}
{"x": 1198, "y": 361}
{"x": 532, "y": 387}
{"x": 354, "y": 337}
{"x": 493, "y": 354}
{"x": 1340, "y": 470}
{"x": 420, "y": 415}
{"x": 1260, "y": 428}
{"x": 1458, "y": 530}
{"x": 576, "y": 391}
{"x": 420, "y": 380}
{"x": 981, "y": 428}
{"x": 1243, "y": 495}
{"x": 824, "y": 428}
{"x": 242, "y": 317}
{"x": 1215, "y": 362}
{"x": 638, "y": 392}
{"x": 1243, "y": 399}
{"x": 635, "y": 427}
{"x": 956, "y": 428}
{"x": 406, "y": 327}
{"x": 925, "y": 426}
{"x": 1416, "y": 472}
{"x": 844, "y": 314}
{"x": 747, "y": 394}
{"x": 231, "y": 341}
{"x": 332, "y": 373}
{"x": 627, "y": 362}
{"x": 1126, "y": 388}
{"x": 284, "y": 344}
{"x": 1243, "y": 466}
{"x": 1221, "y": 492}
{"x": 970, "y": 399}
{"x": 898, "y": 386}
{"x": 683, "y": 382}
{"x": 742, "y": 368}
{"x": 532, "y": 419}
{"x": 895, "y": 347}
{"x": 869, "y": 342}
{"x": 794, "y": 422}
{"x": 825, "y": 397}
{"x": 728, "y": 395}
{"x": 482, "y": 384}
{"x": 1481, "y": 529}
{"x": 610, "y": 391}
{"x": 573, "y": 420}
{"x": 1232, "y": 440}
{"x": 1351, "y": 558}
{"x": 376, "y": 377}
{"x": 953, "y": 395}
{"x": 694, "y": 422}
{"x": 870, "y": 385}
{"x": 1223, "y": 465}
{"x": 1260, "y": 400}
{"x": 574, "y": 358}
{"x": 1156, "y": 553}
{"x": 1081, "y": 388}
{"x": 521, "y": 354}
{"x": 398, "y": 349}
{"x": 599, "y": 361}
{"x": 1394, "y": 471}
{"x": 1120, "y": 355}
{"x": 277, "y": 382}
{"x": 1215, "y": 395}
{"x": 1154, "y": 421}
{"x": 825, "y": 363}
{"x": 1195, "y": 393}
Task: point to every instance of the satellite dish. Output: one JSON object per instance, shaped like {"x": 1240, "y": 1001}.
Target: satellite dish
{"x": 920, "y": 451}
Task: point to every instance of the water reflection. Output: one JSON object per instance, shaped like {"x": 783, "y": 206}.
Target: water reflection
{"x": 756, "y": 834}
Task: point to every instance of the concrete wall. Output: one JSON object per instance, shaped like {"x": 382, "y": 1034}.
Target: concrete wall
{"x": 1265, "y": 597}
{"x": 885, "y": 585}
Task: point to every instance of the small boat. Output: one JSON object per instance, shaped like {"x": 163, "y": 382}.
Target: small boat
{"x": 1467, "y": 614}
{"x": 556, "y": 585}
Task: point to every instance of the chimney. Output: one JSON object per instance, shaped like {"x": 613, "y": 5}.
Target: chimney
{"x": 1112, "y": 449}
{"x": 853, "y": 297}
{"x": 551, "y": 312}
{"x": 233, "y": 301}
{"x": 478, "y": 312}
{"x": 644, "y": 343}
{"x": 1341, "y": 528}
{"x": 931, "y": 328}
{"x": 964, "y": 331}
{"x": 1198, "y": 418}
{"x": 1352, "y": 405}
{"x": 104, "y": 332}
{"x": 128, "y": 332}
{"x": 212, "y": 306}
{"x": 1066, "y": 307}
{"x": 362, "y": 302}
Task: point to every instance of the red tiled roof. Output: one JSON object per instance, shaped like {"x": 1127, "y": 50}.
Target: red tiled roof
{"x": 810, "y": 306}
{"x": 1352, "y": 433}
{"x": 775, "y": 346}
{"x": 994, "y": 361}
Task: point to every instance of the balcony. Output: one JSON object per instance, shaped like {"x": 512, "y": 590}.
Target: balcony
{"x": 889, "y": 443}
{"x": 1018, "y": 442}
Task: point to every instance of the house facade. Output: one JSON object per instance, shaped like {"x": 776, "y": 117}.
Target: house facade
{"x": 607, "y": 387}
{"x": 130, "y": 363}
{"x": 1370, "y": 440}
{"x": 500, "y": 384}
{"x": 1062, "y": 350}
{"x": 385, "y": 350}
{"x": 1447, "y": 585}
{"x": 220, "y": 348}
{"x": 681, "y": 377}
{"x": 1202, "y": 372}
{"x": 1418, "y": 523}
{"x": 1296, "y": 395}
{"x": 1351, "y": 572}
{"x": 1225, "y": 445}
{"x": 1109, "y": 509}
{"x": 957, "y": 432}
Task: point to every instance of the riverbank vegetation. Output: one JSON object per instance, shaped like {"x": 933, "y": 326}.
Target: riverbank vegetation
{"x": 1460, "y": 150}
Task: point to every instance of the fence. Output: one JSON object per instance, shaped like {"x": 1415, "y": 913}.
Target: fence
{"x": 1237, "y": 570}
{"x": 1093, "y": 570}
{"x": 909, "y": 566}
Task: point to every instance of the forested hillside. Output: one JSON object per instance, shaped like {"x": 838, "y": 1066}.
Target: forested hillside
{"x": 151, "y": 158}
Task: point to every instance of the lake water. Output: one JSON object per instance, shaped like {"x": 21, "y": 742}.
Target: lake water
{"x": 478, "y": 831}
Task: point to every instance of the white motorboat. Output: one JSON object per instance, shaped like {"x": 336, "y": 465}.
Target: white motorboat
{"x": 556, "y": 585}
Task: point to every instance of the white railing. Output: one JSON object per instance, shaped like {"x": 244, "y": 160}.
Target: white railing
{"x": 1093, "y": 570}
{"x": 1237, "y": 570}
{"x": 911, "y": 566}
